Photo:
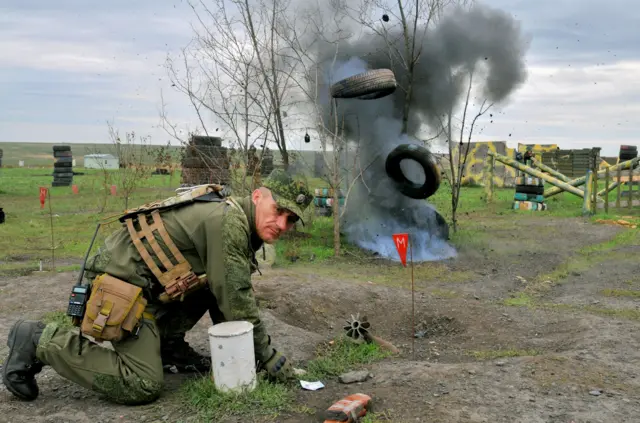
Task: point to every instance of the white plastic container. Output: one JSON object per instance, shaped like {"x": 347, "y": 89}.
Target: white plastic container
{"x": 232, "y": 356}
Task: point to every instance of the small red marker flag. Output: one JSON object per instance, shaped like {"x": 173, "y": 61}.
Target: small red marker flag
{"x": 402, "y": 241}
{"x": 74, "y": 188}
{"x": 113, "y": 190}
{"x": 43, "y": 195}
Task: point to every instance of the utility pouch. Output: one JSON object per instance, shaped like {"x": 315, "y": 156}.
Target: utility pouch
{"x": 114, "y": 309}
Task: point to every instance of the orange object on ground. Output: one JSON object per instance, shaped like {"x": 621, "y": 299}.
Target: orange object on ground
{"x": 349, "y": 409}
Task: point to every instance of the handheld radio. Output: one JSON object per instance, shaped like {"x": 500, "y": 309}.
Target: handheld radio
{"x": 80, "y": 292}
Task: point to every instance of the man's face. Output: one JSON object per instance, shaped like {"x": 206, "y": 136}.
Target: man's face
{"x": 271, "y": 220}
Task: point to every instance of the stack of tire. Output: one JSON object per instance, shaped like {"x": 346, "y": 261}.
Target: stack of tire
{"x": 63, "y": 166}
{"x": 529, "y": 194}
{"x": 205, "y": 161}
{"x": 628, "y": 152}
{"x": 323, "y": 201}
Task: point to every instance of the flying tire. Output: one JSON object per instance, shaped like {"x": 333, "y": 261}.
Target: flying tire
{"x": 368, "y": 85}
{"x": 425, "y": 159}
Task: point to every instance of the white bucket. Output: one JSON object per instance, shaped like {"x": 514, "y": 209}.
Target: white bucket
{"x": 232, "y": 356}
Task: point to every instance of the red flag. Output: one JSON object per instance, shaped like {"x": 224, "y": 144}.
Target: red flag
{"x": 402, "y": 241}
{"x": 43, "y": 196}
{"x": 113, "y": 190}
{"x": 74, "y": 188}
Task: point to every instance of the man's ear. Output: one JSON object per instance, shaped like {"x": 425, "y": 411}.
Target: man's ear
{"x": 255, "y": 196}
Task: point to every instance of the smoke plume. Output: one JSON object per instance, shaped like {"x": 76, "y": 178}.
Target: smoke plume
{"x": 481, "y": 39}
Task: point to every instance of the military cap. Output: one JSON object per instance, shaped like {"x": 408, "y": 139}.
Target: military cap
{"x": 288, "y": 193}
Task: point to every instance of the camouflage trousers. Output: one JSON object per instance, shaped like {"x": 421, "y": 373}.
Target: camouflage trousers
{"x": 130, "y": 373}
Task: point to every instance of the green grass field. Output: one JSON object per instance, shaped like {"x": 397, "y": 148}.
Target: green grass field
{"x": 25, "y": 237}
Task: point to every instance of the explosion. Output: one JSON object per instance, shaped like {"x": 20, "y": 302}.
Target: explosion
{"x": 481, "y": 40}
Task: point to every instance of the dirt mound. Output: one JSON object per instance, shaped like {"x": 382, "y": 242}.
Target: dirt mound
{"x": 448, "y": 330}
{"x": 438, "y": 326}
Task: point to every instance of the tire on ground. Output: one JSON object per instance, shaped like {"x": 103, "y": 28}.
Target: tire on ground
{"x": 368, "y": 85}
{"x": 424, "y": 159}
{"x": 61, "y": 148}
{"x": 530, "y": 189}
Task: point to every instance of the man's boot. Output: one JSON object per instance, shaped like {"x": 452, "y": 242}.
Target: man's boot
{"x": 177, "y": 355}
{"x": 21, "y": 366}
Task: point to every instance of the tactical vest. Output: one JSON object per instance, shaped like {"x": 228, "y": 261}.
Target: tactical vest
{"x": 177, "y": 277}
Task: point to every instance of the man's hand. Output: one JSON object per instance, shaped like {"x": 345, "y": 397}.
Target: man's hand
{"x": 279, "y": 368}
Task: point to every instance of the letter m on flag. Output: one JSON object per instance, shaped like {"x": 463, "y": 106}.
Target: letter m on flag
{"x": 402, "y": 241}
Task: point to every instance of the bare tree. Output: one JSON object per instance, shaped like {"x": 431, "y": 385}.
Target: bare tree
{"x": 134, "y": 163}
{"x": 218, "y": 76}
{"x": 233, "y": 71}
{"x": 457, "y": 162}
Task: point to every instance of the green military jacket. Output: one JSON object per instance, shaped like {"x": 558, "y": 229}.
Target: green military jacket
{"x": 215, "y": 238}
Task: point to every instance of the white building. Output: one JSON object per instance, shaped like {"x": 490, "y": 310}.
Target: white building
{"x": 101, "y": 161}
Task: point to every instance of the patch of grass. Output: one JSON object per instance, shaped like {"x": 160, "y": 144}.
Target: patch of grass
{"x": 378, "y": 417}
{"x": 342, "y": 356}
{"x": 620, "y": 293}
{"x": 18, "y": 269}
{"x": 59, "y": 317}
{"x": 575, "y": 265}
{"x": 210, "y": 404}
{"x": 621, "y": 239}
{"x": 443, "y": 293}
{"x": 522, "y": 299}
{"x": 493, "y": 354}
{"x": 624, "y": 313}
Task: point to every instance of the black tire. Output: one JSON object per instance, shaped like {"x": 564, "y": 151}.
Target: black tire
{"x": 530, "y": 189}
{"x": 63, "y": 175}
{"x": 60, "y": 184}
{"x": 628, "y": 156}
{"x": 425, "y": 160}
{"x": 61, "y": 148}
{"x": 628, "y": 148}
{"x": 368, "y": 85}
{"x": 62, "y": 164}
{"x": 62, "y": 153}
{"x": 64, "y": 160}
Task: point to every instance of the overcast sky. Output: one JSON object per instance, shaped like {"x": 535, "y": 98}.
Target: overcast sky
{"x": 66, "y": 67}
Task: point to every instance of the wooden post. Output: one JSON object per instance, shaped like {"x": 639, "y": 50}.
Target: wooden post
{"x": 618, "y": 190}
{"x": 630, "y": 201}
{"x": 606, "y": 194}
{"x": 588, "y": 187}
{"x": 594, "y": 188}
{"x": 492, "y": 171}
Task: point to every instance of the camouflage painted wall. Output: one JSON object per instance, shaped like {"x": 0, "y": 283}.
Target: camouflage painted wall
{"x": 474, "y": 170}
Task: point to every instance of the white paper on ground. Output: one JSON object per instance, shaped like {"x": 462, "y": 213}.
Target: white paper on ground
{"x": 311, "y": 386}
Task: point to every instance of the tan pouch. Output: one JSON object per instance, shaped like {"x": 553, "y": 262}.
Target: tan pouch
{"x": 114, "y": 309}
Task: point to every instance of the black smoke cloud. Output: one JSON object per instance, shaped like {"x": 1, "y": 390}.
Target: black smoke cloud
{"x": 482, "y": 39}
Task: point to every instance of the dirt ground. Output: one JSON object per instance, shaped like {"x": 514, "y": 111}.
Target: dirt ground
{"x": 576, "y": 359}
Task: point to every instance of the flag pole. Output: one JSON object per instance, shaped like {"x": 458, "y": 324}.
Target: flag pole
{"x": 413, "y": 315}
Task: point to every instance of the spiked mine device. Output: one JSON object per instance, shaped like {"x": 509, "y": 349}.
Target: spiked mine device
{"x": 358, "y": 329}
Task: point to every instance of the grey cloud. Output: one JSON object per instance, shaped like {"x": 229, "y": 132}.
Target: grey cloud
{"x": 578, "y": 31}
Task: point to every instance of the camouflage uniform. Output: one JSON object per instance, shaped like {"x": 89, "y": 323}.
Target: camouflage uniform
{"x": 217, "y": 239}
